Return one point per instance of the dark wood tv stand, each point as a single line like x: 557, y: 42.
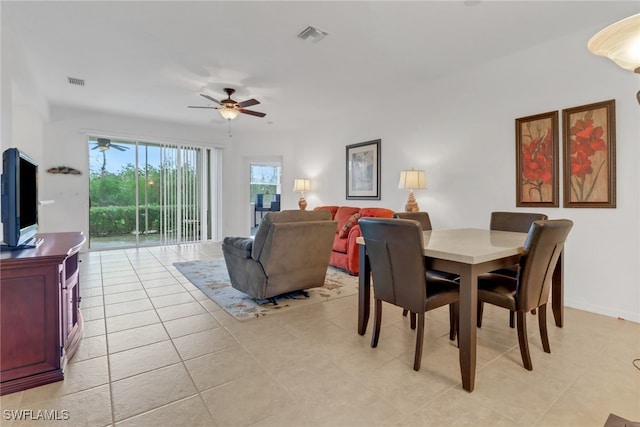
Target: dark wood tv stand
x: 40, y: 320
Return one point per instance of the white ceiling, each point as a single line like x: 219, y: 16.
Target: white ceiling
x: 154, y: 58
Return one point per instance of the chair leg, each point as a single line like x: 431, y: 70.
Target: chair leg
x: 522, y: 340
x: 480, y: 309
x: 542, y: 322
x: 412, y: 316
x: 404, y: 312
x: 377, y: 319
x: 453, y: 321
x: 419, y: 337
x: 512, y: 323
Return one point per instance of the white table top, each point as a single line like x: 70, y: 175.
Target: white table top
x: 471, y: 245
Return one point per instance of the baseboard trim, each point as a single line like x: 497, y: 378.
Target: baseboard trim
x: 605, y: 311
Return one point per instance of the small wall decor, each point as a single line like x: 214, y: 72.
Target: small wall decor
x: 64, y: 170
x: 537, y: 159
x: 363, y: 171
x: 589, y: 155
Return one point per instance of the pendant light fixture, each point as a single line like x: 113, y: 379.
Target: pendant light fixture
x: 620, y: 42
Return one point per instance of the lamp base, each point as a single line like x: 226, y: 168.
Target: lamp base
x: 412, y: 205
x: 302, y: 203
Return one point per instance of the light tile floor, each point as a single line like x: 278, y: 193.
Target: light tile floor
x: 157, y: 352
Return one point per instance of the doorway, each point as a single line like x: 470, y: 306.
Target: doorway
x: 265, y: 188
x: 143, y: 193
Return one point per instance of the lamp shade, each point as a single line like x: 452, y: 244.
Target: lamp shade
x: 228, y: 113
x: 619, y: 42
x: 301, y: 184
x: 412, y: 179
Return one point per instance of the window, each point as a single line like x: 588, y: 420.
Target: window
x: 265, y: 179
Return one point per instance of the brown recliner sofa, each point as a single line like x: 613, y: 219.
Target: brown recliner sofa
x: 290, y: 252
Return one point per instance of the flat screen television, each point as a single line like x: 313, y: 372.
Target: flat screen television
x: 19, y: 199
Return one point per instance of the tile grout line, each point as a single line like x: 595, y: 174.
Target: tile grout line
x: 106, y: 342
x: 182, y: 362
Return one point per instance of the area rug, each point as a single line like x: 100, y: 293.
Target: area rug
x: 212, y: 278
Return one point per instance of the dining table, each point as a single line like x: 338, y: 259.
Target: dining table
x: 467, y: 252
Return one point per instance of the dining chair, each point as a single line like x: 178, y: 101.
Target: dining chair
x: 425, y: 221
x: 519, y: 222
x: 395, y: 250
x: 421, y: 217
x: 275, y: 204
x: 530, y: 288
x: 259, y: 207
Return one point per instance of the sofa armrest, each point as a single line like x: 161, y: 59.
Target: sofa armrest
x: 353, y: 250
x: 354, y: 233
x: 238, y: 246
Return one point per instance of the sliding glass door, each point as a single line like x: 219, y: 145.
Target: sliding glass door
x: 144, y: 193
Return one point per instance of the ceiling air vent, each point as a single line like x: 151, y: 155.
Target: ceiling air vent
x: 312, y: 33
x: 74, y: 81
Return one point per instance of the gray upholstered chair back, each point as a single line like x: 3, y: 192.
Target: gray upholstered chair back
x: 395, y: 249
x: 290, y: 252
x: 421, y: 217
x: 284, y: 216
x: 541, y: 251
x: 514, y: 221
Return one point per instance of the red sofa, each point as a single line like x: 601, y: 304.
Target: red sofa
x: 345, y: 251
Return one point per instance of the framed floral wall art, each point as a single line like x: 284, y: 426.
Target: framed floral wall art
x: 589, y: 155
x: 537, y: 160
x: 363, y: 170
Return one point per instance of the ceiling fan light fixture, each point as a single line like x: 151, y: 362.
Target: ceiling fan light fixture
x: 228, y: 113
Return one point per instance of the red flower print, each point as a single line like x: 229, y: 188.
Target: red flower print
x: 537, y: 160
x: 585, y: 141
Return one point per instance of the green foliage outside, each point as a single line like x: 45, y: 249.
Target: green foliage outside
x: 113, y: 200
x: 120, y: 189
x: 120, y: 220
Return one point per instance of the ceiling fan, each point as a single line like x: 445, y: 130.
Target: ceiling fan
x: 103, y: 144
x: 229, y: 109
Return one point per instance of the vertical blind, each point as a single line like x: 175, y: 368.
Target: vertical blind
x: 185, y: 204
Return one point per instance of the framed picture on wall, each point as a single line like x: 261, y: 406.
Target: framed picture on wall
x: 363, y: 171
x: 537, y: 159
x: 589, y: 140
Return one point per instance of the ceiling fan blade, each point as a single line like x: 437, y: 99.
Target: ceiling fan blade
x: 195, y: 106
x: 117, y: 147
x: 248, y: 103
x: 252, y: 113
x: 95, y: 147
x: 210, y: 98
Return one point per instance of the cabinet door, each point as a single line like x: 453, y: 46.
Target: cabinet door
x: 71, y: 322
x: 29, y: 321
